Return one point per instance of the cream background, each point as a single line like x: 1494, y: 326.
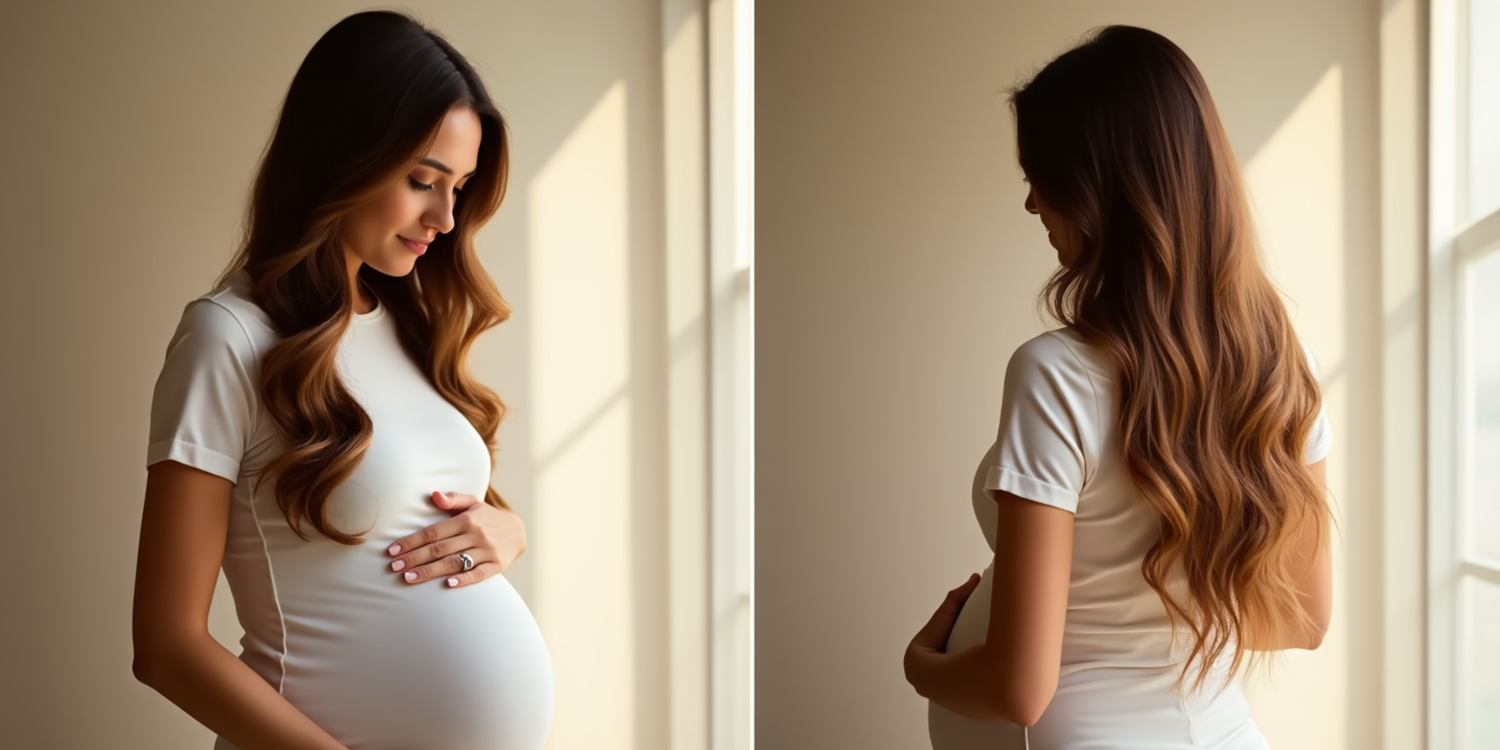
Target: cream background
x: 133, y: 131
x: 897, y: 271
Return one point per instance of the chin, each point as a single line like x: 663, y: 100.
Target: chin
x: 397, y: 269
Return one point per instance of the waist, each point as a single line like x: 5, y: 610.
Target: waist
x: 1140, y: 707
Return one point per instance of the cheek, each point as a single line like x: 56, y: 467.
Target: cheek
x: 382, y: 217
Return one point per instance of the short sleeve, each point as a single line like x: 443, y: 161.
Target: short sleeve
x: 1320, y: 438
x: 1047, y: 404
x: 202, y: 407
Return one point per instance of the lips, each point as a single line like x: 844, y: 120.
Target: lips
x: 415, y: 246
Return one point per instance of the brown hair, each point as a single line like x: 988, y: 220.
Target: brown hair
x: 365, y: 104
x: 1217, y: 399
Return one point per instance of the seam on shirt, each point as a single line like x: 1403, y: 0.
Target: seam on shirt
x: 213, y: 298
x: 275, y: 592
x: 1192, y: 725
x: 1090, y: 466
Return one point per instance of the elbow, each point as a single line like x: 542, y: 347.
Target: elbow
x: 144, y: 669
x: 150, y: 663
x: 1318, y: 629
x: 1028, y: 717
x: 145, y: 659
x: 1028, y: 713
x: 1020, y: 711
x: 1316, y: 635
x: 1023, y: 704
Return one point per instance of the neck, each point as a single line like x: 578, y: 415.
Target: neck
x: 364, y: 301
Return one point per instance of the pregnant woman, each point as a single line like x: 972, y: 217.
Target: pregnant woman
x: 1155, y: 498
x: 316, y: 432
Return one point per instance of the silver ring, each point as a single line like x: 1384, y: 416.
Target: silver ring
x: 468, y: 561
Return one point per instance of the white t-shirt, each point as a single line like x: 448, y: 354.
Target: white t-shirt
x: 1059, y: 444
x: 378, y: 663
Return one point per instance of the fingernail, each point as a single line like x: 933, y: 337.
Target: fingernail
x: 397, y: 565
x: 395, y: 549
x: 452, y: 582
x: 411, y: 575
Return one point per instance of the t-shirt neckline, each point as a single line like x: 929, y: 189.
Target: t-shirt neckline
x: 372, y: 315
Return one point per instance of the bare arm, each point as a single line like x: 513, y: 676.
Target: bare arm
x: 1314, y: 565
x: 183, y: 527
x: 1013, y: 675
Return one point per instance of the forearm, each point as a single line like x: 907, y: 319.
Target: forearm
x: 218, y: 690
x: 969, y: 683
x: 1312, y: 568
x: 1013, y: 675
x: 1292, y: 636
x: 1315, y: 597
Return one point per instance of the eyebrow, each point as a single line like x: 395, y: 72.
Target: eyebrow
x: 441, y: 167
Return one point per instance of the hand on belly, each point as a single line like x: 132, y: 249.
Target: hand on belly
x: 492, y: 538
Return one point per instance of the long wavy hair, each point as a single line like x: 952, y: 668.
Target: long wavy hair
x: 364, y: 106
x: 1217, y: 399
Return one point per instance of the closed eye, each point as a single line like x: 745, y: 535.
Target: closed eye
x: 422, y: 186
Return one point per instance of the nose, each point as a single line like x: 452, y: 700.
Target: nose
x: 440, y: 216
x: 1031, y: 202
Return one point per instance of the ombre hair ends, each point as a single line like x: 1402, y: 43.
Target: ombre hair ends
x: 1216, y: 396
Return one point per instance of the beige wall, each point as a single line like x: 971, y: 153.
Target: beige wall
x: 897, y: 271
x: 132, y: 132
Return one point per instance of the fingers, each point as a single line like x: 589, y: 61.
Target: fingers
x: 437, y: 559
x: 492, y: 537
x: 954, y: 602
x: 443, y: 529
x: 934, y: 635
x: 478, y: 573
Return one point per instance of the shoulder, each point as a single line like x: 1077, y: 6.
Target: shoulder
x: 226, y: 318
x: 1061, y: 357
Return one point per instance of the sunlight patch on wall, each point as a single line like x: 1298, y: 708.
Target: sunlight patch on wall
x: 581, y: 425
x: 684, y: 99
x: 1296, y: 183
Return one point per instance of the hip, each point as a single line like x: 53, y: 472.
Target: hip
x: 1114, y: 709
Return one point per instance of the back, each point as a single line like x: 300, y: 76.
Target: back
x: 1059, y: 444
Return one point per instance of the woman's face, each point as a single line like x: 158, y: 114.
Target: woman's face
x: 1063, y: 234
x: 394, y: 228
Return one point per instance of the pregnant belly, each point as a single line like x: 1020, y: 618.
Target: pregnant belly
x: 948, y: 730
x: 974, y: 619
x: 431, y: 669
